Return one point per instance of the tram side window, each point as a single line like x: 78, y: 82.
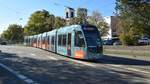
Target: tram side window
x: 59, y: 40
x: 52, y: 40
x: 47, y: 39
x: 79, y: 39
x: 35, y: 40
x: 69, y: 39
x: 42, y: 40
x: 38, y: 40
x: 64, y: 40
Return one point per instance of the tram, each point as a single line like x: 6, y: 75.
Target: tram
x: 75, y: 41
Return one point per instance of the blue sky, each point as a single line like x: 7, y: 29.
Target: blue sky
x: 18, y: 11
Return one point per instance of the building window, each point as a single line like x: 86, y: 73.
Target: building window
x: 67, y: 15
x: 72, y: 14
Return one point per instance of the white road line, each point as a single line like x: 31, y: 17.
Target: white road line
x: 116, y: 65
x: 20, y: 76
x: 53, y: 58
x: 84, y: 63
x: 32, y: 54
x: 77, y: 61
x: 131, y: 69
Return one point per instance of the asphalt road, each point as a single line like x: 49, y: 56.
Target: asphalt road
x: 45, y: 67
x: 8, y: 78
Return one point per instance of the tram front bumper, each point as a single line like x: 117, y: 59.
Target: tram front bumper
x: 92, y: 56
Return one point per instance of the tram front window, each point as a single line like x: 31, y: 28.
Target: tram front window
x: 92, y: 36
x: 79, y: 39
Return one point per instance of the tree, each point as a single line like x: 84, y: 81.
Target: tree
x: 59, y: 22
x: 39, y: 22
x: 98, y: 20
x: 81, y: 16
x: 74, y: 20
x: 134, y: 16
x: 14, y: 33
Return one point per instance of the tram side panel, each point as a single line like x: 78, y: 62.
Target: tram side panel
x: 70, y: 41
x: 52, y: 40
x: 40, y: 41
x: 35, y: 41
x: 62, y: 41
x: 45, y: 41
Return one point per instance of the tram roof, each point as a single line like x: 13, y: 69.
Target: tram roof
x: 68, y: 28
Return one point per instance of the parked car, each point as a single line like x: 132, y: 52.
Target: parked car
x: 107, y: 42
x: 114, y: 41
x: 117, y: 43
x: 3, y: 43
x: 144, y: 40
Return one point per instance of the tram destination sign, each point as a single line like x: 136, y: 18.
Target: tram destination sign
x: 89, y: 28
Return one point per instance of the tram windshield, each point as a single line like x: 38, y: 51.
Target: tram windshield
x: 92, y: 36
x: 79, y: 39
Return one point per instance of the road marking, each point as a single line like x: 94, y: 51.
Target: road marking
x: 84, y: 63
x: 131, y: 69
x: 32, y: 54
x: 20, y: 76
x: 29, y: 81
x: 116, y: 65
x: 53, y: 58
x: 77, y: 61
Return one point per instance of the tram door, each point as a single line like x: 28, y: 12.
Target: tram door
x: 69, y: 44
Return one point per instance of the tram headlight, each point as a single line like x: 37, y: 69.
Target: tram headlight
x: 79, y: 54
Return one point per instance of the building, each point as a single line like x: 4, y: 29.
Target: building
x: 112, y: 24
x: 70, y: 13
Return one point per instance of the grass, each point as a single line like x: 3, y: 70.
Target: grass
x: 127, y: 52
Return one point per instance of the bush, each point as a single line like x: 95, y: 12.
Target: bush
x: 128, y: 39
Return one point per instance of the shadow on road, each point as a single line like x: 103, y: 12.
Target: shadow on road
x: 63, y: 72
x: 122, y: 60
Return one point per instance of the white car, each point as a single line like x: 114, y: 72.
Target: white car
x: 145, y: 40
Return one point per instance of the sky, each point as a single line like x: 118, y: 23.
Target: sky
x: 19, y: 11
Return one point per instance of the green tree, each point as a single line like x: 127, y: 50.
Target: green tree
x: 39, y: 22
x: 59, y: 22
x: 74, y: 20
x: 14, y: 33
x: 134, y: 16
x: 81, y: 16
x: 98, y: 20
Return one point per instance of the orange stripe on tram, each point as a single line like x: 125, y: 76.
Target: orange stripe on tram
x: 79, y: 54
